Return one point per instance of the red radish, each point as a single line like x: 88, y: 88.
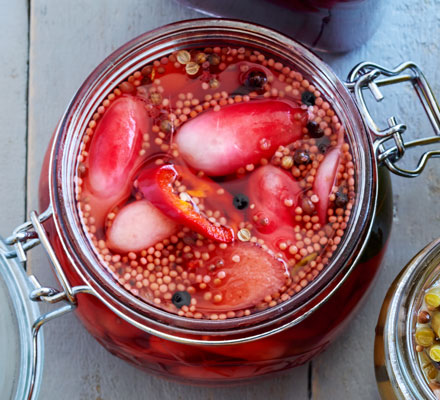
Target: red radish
x: 115, y: 147
x: 261, y: 350
x: 220, y: 142
x: 270, y: 189
x: 249, y: 275
x: 137, y: 226
x: 175, y: 351
x: 325, y: 180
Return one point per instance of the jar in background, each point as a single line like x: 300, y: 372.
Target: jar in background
x: 325, y: 25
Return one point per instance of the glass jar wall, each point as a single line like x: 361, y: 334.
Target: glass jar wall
x: 306, y: 323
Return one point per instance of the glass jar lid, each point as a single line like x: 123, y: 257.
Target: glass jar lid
x: 20, y: 366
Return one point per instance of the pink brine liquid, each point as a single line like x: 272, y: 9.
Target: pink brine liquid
x: 215, y: 183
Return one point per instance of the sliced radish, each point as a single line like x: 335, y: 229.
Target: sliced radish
x: 250, y: 274
x: 325, y: 180
x: 220, y: 142
x: 114, y: 151
x: 137, y: 226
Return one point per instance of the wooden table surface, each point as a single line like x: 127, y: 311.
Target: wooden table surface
x: 48, y: 47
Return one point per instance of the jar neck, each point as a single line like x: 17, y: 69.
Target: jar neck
x: 406, y: 297
x: 126, y: 61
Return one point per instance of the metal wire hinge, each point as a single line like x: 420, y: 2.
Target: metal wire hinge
x: 25, y: 237
x: 390, y: 145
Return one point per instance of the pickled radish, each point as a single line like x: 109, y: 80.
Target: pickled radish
x: 220, y: 142
x: 137, y: 226
x: 325, y: 180
x: 114, y: 151
x: 249, y: 275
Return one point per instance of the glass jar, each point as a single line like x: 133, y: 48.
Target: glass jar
x: 398, y: 371
x: 325, y: 25
x: 21, y: 366
x: 242, y: 348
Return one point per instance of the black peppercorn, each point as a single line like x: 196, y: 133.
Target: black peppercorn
x: 314, y: 130
x: 341, y: 199
x: 166, y: 126
x: 307, y: 206
x: 301, y: 157
x: 255, y: 80
x: 308, y: 98
x: 181, y: 298
x: 323, y: 144
x: 214, y: 59
x: 240, y: 201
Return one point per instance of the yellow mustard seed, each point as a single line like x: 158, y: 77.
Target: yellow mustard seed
x: 244, y: 235
x: 304, y: 261
x: 287, y: 162
x: 431, y: 371
x: 214, y: 83
x: 200, y: 58
x: 425, y: 336
x: 183, y: 57
x: 192, y: 68
x: 432, y: 297
x: 435, y: 322
x: 434, y: 353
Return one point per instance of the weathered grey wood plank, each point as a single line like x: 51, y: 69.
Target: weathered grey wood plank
x: 68, y: 39
x: 13, y: 112
x: 407, y: 33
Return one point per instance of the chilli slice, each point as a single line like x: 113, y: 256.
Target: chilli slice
x: 157, y: 186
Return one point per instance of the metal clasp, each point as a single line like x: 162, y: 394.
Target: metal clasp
x: 24, y: 238
x: 29, y: 235
x: 390, y: 145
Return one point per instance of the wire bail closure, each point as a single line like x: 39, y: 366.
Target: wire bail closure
x: 25, y: 237
x: 390, y: 145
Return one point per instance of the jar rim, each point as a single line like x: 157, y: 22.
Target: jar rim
x: 125, y: 61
